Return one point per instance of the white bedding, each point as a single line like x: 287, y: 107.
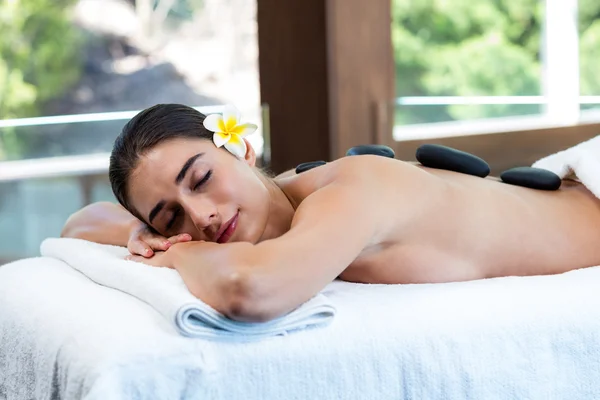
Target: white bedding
x: 505, y: 338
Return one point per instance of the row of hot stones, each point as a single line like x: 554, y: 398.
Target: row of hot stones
x: 442, y: 157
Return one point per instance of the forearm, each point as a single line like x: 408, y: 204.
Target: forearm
x: 285, y: 272
x: 275, y: 285
x: 102, y: 222
x: 223, y: 276
x: 239, y: 280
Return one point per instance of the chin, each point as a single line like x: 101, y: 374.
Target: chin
x: 252, y: 236
x: 265, y: 235
x: 253, y: 232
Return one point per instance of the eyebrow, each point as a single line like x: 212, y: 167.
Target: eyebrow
x: 156, y: 210
x: 160, y: 205
x: 186, y: 167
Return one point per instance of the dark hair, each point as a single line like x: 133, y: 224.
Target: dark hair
x: 148, y: 128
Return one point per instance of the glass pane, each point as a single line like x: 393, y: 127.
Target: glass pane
x: 34, y: 209
x: 74, y: 57
x: 466, y: 49
x: 589, y: 52
x: 31, y: 142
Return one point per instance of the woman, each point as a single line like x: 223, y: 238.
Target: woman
x: 255, y: 248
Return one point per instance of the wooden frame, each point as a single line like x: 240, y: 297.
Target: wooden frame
x: 325, y: 68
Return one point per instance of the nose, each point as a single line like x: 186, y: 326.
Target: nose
x: 204, y: 216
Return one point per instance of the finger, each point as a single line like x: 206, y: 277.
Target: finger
x: 151, y: 261
x: 138, y: 247
x: 183, y: 237
x: 134, y: 258
x: 158, y: 243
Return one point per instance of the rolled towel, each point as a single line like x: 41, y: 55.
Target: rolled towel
x: 582, y: 160
x: 164, y: 290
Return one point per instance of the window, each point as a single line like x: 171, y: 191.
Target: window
x: 589, y: 53
x: 493, y: 65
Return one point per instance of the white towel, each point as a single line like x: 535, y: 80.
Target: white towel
x: 165, y: 291
x: 582, y: 160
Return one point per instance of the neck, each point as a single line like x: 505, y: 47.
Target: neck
x: 281, y: 211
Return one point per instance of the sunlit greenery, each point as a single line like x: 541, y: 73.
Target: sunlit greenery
x: 39, y: 50
x: 479, y: 48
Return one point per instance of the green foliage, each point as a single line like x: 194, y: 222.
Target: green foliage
x: 589, y: 12
x: 589, y: 48
x: 38, y: 54
x: 39, y: 50
x: 483, y: 66
x: 473, y: 48
x: 589, y: 59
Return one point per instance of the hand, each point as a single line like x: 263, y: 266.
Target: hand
x: 159, y: 259
x: 205, y: 267
x: 144, y: 242
x: 166, y: 258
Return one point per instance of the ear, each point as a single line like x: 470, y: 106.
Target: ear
x: 250, y: 156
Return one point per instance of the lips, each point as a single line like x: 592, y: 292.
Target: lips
x: 227, y: 229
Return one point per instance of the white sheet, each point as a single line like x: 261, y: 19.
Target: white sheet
x: 504, y: 338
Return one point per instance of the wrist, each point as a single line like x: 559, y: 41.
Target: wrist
x: 176, y: 253
x: 134, y: 225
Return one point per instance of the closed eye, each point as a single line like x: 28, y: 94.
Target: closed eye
x: 203, y: 180
x: 173, y: 219
x: 177, y: 211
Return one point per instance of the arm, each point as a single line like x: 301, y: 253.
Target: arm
x: 260, y: 282
x: 102, y: 222
x: 330, y: 229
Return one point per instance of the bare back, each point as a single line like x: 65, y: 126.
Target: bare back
x: 441, y: 226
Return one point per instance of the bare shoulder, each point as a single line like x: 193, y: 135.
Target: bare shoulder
x: 361, y: 173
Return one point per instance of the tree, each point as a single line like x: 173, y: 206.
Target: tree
x: 38, y: 54
x: 38, y: 58
x: 589, y: 46
x: 486, y: 47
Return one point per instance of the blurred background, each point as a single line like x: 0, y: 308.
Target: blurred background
x: 72, y: 72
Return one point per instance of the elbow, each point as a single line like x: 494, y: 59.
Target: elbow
x: 70, y: 232
x: 71, y: 228
x: 76, y: 226
x: 242, y: 291
x: 244, y: 299
x: 73, y: 232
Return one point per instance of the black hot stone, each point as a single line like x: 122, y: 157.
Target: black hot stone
x: 442, y: 157
x: 308, y: 165
x: 374, y: 149
x: 534, y: 178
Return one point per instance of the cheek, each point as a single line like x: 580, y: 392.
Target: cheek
x: 229, y: 190
x: 242, y: 187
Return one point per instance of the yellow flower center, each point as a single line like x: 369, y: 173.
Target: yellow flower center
x: 229, y: 126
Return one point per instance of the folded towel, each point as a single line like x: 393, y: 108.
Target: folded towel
x: 165, y: 291
x: 582, y: 160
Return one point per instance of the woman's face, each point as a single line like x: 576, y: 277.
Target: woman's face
x: 191, y: 186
